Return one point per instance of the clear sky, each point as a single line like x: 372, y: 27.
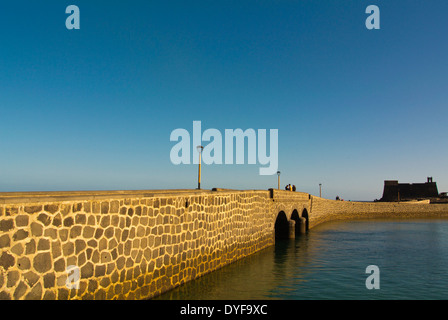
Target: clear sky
x: 93, y: 109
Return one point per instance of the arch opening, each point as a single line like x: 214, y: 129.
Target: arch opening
x: 299, y: 228
x: 305, y: 216
x: 281, y: 226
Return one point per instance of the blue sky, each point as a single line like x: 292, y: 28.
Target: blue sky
x: 93, y: 109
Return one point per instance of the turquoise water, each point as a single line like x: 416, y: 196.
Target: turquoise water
x: 330, y: 263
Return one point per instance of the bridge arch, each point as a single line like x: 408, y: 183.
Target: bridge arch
x: 295, y: 216
x: 301, y: 225
x: 306, y: 217
x: 281, y: 226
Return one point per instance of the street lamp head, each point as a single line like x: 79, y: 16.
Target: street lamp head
x: 200, y: 148
x: 278, y: 173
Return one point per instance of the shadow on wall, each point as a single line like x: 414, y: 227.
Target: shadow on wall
x: 281, y: 226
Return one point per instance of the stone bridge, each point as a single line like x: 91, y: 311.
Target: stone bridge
x: 139, y: 244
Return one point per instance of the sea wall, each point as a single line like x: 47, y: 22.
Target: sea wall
x: 125, y: 246
x: 323, y: 210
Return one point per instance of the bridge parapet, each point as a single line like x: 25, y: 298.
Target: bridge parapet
x: 284, y: 195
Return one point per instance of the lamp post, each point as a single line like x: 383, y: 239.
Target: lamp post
x: 199, y: 148
x: 278, y: 174
x: 320, y: 190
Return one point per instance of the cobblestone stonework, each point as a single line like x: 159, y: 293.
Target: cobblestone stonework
x: 129, y: 248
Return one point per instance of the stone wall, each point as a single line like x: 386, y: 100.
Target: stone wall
x: 132, y: 246
x: 324, y: 210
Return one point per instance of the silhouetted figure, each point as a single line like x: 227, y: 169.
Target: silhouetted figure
x: 337, y: 198
x: 293, y: 187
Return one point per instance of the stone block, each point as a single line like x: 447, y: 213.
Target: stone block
x: 42, y: 262
x: 91, y: 220
x: 17, y: 249
x: 44, y: 218
x: 100, y: 294
x: 96, y: 207
x: 87, y: 270
x: 87, y: 207
x: 63, y: 293
x: 88, y: 232
x: 114, y: 206
x: 4, y: 241
x: 120, y: 263
x: 51, y: 233
x: 49, y: 280
x: 80, y: 218
x: 6, y: 225
x: 112, y: 244
x: 32, y: 209
x: 75, y: 232
x: 114, y: 254
x: 92, y: 243
x: 105, y: 221
x: 100, y: 270
x: 80, y: 245
x: 63, y: 234
x: 104, y: 207
x: 20, y: 235
x: 20, y: 290
x: 57, y: 220
x: 77, y: 207
x: 59, y: 265
x: 30, y: 247
x: 35, y: 293
x: 102, y: 244
x: 68, y: 222
x: 49, y: 295
x: 31, y: 278
x: 43, y: 244
x: 51, y: 208
x: 98, y: 233
x: 115, y: 220
x: 95, y: 256
x: 65, y: 209
x: 12, y: 278
x: 22, y: 220
x: 68, y: 249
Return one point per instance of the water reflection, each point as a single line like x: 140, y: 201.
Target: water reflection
x: 262, y: 275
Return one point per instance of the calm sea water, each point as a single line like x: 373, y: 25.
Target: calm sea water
x: 330, y: 263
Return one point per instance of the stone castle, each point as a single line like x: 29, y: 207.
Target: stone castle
x: 394, y: 191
